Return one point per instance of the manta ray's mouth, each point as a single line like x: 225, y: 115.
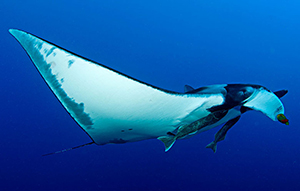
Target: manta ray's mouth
x: 281, y: 118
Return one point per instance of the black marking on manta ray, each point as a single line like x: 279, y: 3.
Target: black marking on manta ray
x: 231, y: 100
x: 104, y: 66
x: 39, y: 46
x: 70, y: 63
x: 50, y: 51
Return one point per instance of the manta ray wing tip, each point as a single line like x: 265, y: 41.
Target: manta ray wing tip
x: 13, y: 31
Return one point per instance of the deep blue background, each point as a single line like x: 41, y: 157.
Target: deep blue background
x: 168, y: 43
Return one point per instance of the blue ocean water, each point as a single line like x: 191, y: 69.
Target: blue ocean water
x: 167, y: 44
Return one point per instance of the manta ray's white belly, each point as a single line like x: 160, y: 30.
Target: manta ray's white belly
x: 109, y: 106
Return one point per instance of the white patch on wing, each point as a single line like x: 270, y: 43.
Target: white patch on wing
x: 111, y: 107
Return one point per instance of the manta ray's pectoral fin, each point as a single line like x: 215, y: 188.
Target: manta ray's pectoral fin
x: 168, y: 141
x: 221, y: 134
x: 102, y: 100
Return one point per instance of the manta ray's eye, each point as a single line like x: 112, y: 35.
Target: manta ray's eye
x: 245, y: 92
x: 242, y: 94
x: 238, y: 93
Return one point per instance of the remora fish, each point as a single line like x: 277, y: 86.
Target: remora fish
x: 112, y: 107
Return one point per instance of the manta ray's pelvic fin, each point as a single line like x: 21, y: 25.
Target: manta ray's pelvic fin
x: 168, y: 141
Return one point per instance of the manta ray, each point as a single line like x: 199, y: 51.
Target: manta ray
x: 114, y: 108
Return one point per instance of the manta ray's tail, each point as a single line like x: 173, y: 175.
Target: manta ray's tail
x: 69, y: 149
x: 168, y: 141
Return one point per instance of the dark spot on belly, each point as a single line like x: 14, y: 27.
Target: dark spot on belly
x: 122, y: 130
x: 130, y: 129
